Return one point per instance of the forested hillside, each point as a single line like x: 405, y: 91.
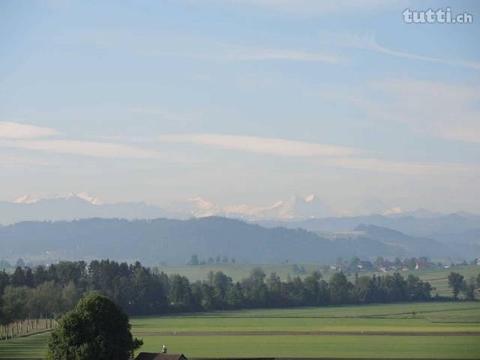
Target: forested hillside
x: 175, y: 241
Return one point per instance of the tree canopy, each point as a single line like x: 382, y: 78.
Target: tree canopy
x: 455, y: 281
x: 95, y: 329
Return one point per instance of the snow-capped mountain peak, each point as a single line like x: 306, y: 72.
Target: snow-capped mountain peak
x: 26, y: 199
x: 32, y: 199
x: 292, y: 208
x: 200, y: 207
x: 418, y: 213
x: 86, y: 197
x: 393, y: 211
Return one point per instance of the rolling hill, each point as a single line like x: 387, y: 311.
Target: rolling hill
x: 174, y: 241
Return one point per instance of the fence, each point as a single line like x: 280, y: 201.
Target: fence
x: 26, y: 327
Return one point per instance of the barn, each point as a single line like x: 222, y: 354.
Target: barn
x: 160, y: 356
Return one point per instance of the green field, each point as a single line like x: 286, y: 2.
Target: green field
x: 439, y: 278
x: 30, y: 347
x: 421, y: 330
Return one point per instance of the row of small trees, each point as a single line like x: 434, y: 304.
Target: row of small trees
x: 46, y: 292
x: 25, y: 327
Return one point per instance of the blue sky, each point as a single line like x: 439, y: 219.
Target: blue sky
x: 241, y: 102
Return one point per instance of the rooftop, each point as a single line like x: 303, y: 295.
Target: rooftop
x: 159, y: 356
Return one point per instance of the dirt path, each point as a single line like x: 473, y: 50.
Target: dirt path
x: 311, y: 333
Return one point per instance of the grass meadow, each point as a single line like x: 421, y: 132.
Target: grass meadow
x: 420, y: 330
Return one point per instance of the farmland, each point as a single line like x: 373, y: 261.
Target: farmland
x: 420, y: 330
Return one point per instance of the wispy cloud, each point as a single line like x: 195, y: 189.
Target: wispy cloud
x: 315, y: 7
x: 323, y: 155
x: 200, y: 48
x: 400, y: 167
x: 371, y: 44
x: 261, y: 145
x: 14, y: 161
x: 442, y: 110
x: 30, y: 137
x: 14, y: 130
x: 84, y: 148
x: 255, y: 54
x: 231, y: 53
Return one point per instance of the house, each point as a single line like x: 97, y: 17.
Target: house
x: 159, y: 356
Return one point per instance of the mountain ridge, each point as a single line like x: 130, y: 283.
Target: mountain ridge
x: 174, y: 241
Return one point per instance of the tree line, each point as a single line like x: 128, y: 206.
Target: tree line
x: 45, y: 292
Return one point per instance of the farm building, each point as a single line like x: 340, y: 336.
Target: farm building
x: 159, y: 356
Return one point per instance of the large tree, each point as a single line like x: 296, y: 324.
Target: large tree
x: 95, y: 329
x: 455, y: 281
x: 340, y: 289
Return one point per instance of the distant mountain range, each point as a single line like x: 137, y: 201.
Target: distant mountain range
x: 305, y: 211
x: 447, y: 228
x: 459, y: 231
x: 174, y: 241
x: 82, y: 226
x: 83, y: 205
x: 74, y: 206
